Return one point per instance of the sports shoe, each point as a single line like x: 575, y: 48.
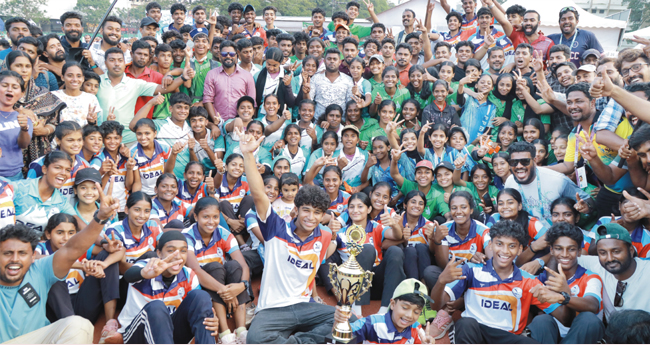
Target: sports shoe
x: 241, y: 339
x: 250, y: 313
x: 441, y: 324
x: 229, y: 339
x: 244, y: 247
x: 110, y: 334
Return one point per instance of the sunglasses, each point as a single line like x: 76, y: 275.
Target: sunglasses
x: 620, y: 289
x: 568, y: 9
x: 232, y: 54
x: 524, y: 161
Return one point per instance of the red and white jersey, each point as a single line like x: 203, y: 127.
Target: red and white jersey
x: 290, y: 263
x: 501, y: 304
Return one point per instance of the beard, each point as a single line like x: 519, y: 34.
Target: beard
x: 15, y: 42
x: 109, y: 41
x: 532, y: 31
x: 58, y: 56
x: 73, y: 35
x: 529, y: 179
x: 623, y: 266
x: 228, y: 62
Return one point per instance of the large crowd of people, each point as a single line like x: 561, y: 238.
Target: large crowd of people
x: 501, y: 177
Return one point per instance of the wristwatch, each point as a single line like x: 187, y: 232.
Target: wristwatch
x: 99, y: 221
x: 183, y: 77
x: 247, y: 284
x: 566, y: 296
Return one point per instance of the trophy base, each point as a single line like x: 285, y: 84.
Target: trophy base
x: 330, y: 339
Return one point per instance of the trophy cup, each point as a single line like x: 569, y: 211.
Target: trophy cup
x: 350, y: 281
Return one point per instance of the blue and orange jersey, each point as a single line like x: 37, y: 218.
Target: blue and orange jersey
x: 150, y: 168
x: 470, y: 24
x: 290, y: 263
x: 453, y: 40
x: 179, y: 211
x: 536, y: 229
x: 340, y: 204
x: 144, y: 291
x: 188, y: 198
x: 234, y: 195
x: 221, y: 243
x: 380, y: 329
x: 494, y: 302
x: 417, y: 232
x: 36, y: 171
x: 640, y: 237
x: 583, y: 283
x: 475, y: 241
x: 374, y: 236
x: 119, y: 186
x: 75, y: 276
x: 135, y: 247
x: 7, y: 207
x: 501, y: 40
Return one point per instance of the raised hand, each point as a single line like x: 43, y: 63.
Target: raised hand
x: 131, y: 163
x: 397, y: 154
x: 156, y: 266
x: 645, y: 42
x: 460, y: 161
x: 601, y: 86
x: 247, y: 143
x: 425, y: 336
x: 335, y: 226
x: 209, y: 182
x: 586, y: 147
x: 556, y: 281
x: 389, y: 34
x: 440, y: 232
x: 213, y: 18
x: 581, y: 205
x: 287, y: 79
x: 637, y: 208
x: 372, y: 160
x: 219, y: 165
x: 385, y: 218
x: 378, y: 99
x: 178, y: 147
x: 108, y: 206
x: 91, y: 117
x: 406, y: 230
x: 429, y: 229
x: 342, y: 161
x: 452, y: 271
x: 489, y: 39
x: 157, y: 99
x: 111, y: 114
x: 370, y: 6
x: 107, y: 166
x: 287, y: 114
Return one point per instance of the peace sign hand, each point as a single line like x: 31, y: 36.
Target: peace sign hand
x: 370, y: 5
x: 425, y: 336
x: 213, y: 18
x: 556, y: 281
x: 108, y: 206
x: 112, y: 244
x: 111, y: 114
x: 92, y: 114
x: 586, y: 147
x: 156, y: 266
x: 452, y: 271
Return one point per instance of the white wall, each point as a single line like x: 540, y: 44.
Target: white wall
x: 393, y: 18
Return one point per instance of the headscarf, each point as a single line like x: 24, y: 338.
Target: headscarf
x: 510, y: 97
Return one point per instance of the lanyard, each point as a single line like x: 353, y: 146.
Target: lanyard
x: 572, y: 41
x: 539, y: 194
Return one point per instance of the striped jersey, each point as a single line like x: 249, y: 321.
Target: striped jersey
x: 222, y: 242
x: 36, y: 171
x: 493, y: 302
x: 7, y: 207
x: 417, y: 231
x: 151, y: 168
x: 144, y: 291
x: 536, y: 229
x: 582, y: 284
x: 374, y: 236
x: 234, y: 195
x: 136, y: 247
x: 640, y: 236
x: 340, y: 204
x: 119, y: 184
x: 380, y: 329
x: 476, y: 240
x: 188, y: 198
x: 75, y: 276
x: 179, y: 211
x: 290, y: 264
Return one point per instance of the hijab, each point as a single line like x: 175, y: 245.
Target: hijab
x: 508, y: 98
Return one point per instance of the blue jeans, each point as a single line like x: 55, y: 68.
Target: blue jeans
x: 19, y: 176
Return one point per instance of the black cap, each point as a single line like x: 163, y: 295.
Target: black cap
x: 444, y: 164
x: 249, y: 8
x: 244, y: 99
x: 87, y: 174
x: 146, y: 21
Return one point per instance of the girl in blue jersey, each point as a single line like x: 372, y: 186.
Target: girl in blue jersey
x: 328, y: 149
x: 153, y: 157
x: 501, y: 169
x: 233, y: 193
x: 165, y: 204
x: 563, y: 210
x: 437, y: 133
x: 196, y: 184
x: 417, y: 232
x: 408, y: 142
x: 332, y: 180
x: 378, y: 167
x: 208, y: 244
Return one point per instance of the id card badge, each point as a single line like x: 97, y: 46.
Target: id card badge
x: 581, y: 177
x: 29, y: 294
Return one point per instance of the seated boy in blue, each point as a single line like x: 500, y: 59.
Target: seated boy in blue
x: 400, y: 324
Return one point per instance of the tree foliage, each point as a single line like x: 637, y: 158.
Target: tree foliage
x: 29, y: 9
x: 639, y: 13
x: 93, y: 10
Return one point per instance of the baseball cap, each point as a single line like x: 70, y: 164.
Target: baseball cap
x: 377, y: 57
x: 589, y: 52
x: 341, y: 26
x: 586, y: 68
x: 412, y: 286
x: 424, y: 164
x: 249, y: 8
x: 352, y: 127
x: 87, y: 174
x: 444, y: 164
x: 146, y: 21
x: 613, y: 231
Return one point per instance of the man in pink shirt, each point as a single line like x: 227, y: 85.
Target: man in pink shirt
x: 226, y: 84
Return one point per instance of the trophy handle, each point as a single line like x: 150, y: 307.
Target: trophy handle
x: 335, y: 283
x: 367, y: 283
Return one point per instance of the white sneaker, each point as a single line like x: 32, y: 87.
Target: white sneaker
x: 250, y: 313
x: 241, y: 339
x: 229, y: 339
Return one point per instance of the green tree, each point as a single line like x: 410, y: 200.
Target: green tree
x: 29, y: 9
x: 639, y: 13
x: 93, y: 11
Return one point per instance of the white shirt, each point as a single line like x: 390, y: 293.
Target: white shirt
x: 77, y: 106
x: 99, y: 56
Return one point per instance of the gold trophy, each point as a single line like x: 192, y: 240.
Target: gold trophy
x: 350, y: 281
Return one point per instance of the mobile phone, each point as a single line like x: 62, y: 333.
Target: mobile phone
x: 487, y: 200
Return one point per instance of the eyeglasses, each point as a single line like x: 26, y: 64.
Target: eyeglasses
x: 524, y: 161
x: 620, y: 289
x: 232, y: 54
x: 635, y: 68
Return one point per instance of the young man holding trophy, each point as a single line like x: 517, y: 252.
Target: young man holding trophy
x: 293, y: 253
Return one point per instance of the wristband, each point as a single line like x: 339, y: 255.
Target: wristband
x: 532, y: 250
x: 183, y: 78
x: 541, y: 262
x: 94, y: 66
